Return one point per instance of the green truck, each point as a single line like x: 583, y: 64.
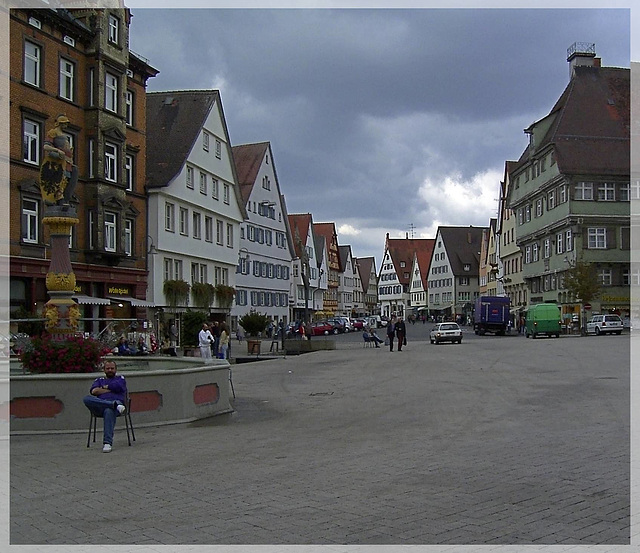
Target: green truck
x: 543, y: 318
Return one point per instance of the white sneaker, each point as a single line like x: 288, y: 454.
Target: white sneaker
x: 121, y: 408
x: 106, y: 448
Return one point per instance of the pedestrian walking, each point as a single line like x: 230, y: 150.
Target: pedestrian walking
x: 401, y: 333
x: 391, y: 331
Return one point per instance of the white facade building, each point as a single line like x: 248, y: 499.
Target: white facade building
x: 264, y: 272
x: 194, y: 206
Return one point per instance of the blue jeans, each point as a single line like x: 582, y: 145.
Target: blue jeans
x: 105, y: 408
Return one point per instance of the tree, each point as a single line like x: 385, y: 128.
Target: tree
x: 582, y: 282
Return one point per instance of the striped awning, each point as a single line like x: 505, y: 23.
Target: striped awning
x: 90, y: 300
x: 135, y: 302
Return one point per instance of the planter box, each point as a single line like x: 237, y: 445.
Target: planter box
x: 163, y: 390
x: 305, y: 346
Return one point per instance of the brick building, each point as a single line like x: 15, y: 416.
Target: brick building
x: 77, y: 62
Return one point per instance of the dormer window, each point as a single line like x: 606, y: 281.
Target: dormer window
x: 466, y: 267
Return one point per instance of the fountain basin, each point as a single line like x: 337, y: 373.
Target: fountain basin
x: 163, y: 390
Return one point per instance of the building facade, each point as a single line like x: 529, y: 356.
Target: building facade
x: 570, y: 189
x: 195, y: 205
x: 76, y: 62
x: 263, y: 279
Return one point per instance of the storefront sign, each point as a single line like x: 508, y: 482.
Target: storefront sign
x: 118, y: 290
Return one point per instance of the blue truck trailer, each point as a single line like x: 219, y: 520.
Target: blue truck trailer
x: 491, y: 315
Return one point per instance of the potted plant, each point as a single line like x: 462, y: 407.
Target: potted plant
x: 254, y: 324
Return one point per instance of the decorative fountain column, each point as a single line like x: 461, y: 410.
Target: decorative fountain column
x: 58, y: 179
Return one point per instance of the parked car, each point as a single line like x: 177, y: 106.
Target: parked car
x: 445, y: 332
x: 603, y: 324
x: 323, y: 328
x: 357, y: 324
x: 348, y: 327
x: 338, y: 324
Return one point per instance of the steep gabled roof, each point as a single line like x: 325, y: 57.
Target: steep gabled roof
x: 344, y: 252
x: 402, y: 250
x: 320, y: 243
x: 248, y: 160
x: 365, y: 264
x: 299, y: 223
x: 328, y: 231
x: 463, y: 245
x: 590, y: 123
x: 174, y: 122
x: 423, y: 256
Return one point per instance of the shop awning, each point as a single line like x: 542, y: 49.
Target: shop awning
x: 135, y: 302
x: 90, y: 300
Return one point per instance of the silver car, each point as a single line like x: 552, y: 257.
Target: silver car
x: 445, y: 332
x: 605, y: 324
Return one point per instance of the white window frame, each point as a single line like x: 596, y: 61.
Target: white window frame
x: 168, y: 268
x: 214, y: 188
x: 190, y: 177
x: 584, y: 191
x: 559, y: 243
x: 67, y: 79
x: 128, y: 237
x: 183, y: 221
x: 30, y: 216
x: 114, y: 29
x: 605, y: 276
x: 32, y: 63
x: 227, y: 193
x: 547, y: 248
x: 205, y: 141
x: 208, y: 229
x: 110, y: 231
x: 606, y: 192
x: 203, y: 183
x: 539, y: 207
x: 218, y: 149
x: 219, y: 232
x: 91, y: 147
x: 551, y: 199
x: 197, y: 225
x: 31, y: 141
x: 177, y: 269
x: 111, y: 161
x: 111, y: 85
x: 625, y: 192
x: 597, y: 238
x: 169, y: 217
x: 128, y: 102
x: 129, y: 165
x: 568, y: 245
x: 229, y: 235
x: 527, y: 254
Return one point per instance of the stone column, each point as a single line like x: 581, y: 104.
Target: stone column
x: 61, y: 311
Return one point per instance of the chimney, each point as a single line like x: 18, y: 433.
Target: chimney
x: 582, y: 54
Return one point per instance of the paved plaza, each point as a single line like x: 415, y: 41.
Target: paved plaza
x: 499, y: 440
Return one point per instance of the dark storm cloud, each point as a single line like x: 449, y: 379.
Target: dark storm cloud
x: 369, y: 111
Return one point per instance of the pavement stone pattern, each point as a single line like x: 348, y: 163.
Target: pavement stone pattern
x: 497, y: 441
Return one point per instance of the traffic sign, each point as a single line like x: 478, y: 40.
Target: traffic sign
x: 587, y: 306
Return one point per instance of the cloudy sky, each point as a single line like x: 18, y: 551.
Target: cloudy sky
x: 380, y: 120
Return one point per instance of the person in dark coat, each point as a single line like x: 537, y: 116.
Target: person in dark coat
x: 391, y: 332
x: 401, y: 332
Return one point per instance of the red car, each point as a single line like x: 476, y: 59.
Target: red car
x: 322, y: 328
x: 357, y: 324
